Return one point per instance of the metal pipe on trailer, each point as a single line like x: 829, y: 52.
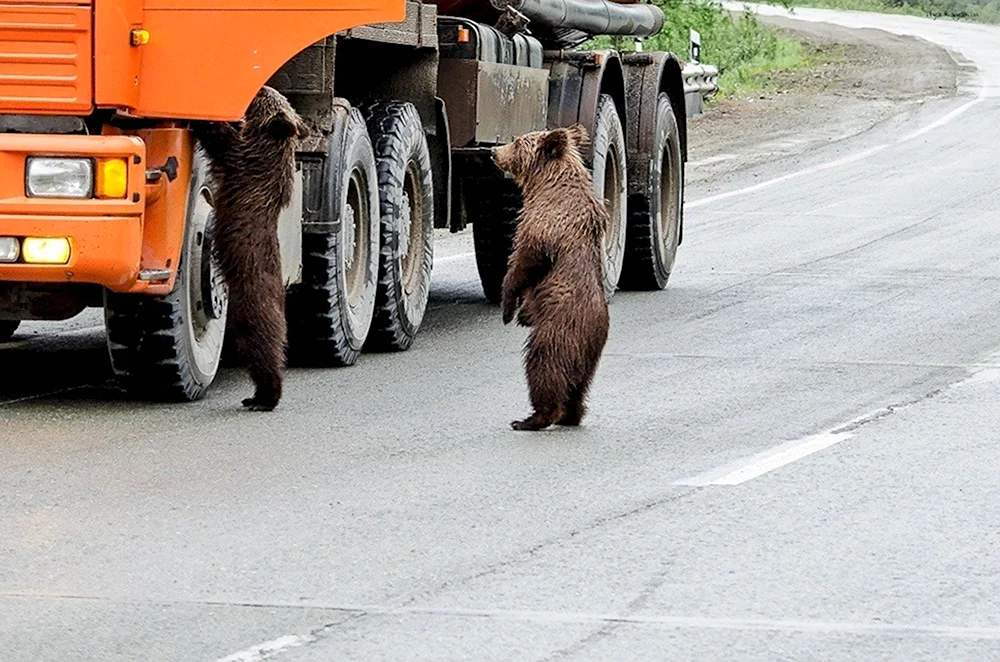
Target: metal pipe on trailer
x: 592, y: 17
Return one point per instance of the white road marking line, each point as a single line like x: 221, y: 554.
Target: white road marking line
x: 986, y: 375
x: 275, y: 647
x: 755, y: 466
x: 937, y: 124
x: 829, y: 627
x: 784, y: 178
x: 718, y: 158
x: 741, y: 471
x: 453, y: 258
x: 268, y: 649
x: 986, y: 371
x: 980, y: 97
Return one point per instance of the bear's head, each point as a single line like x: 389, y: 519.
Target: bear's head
x: 534, y: 153
x: 270, y: 116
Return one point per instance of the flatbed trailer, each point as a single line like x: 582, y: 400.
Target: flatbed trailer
x: 105, y: 200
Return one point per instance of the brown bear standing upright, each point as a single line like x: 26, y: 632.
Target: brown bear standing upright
x: 554, y: 276
x: 252, y: 167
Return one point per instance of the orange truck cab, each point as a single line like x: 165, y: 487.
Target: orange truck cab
x: 105, y: 200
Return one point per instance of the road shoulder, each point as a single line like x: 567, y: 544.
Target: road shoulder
x: 855, y: 80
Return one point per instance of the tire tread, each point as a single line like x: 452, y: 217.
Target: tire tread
x: 495, y: 205
x: 318, y: 334
x: 609, y: 136
x: 146, y: 346
x: 395, y: 126
x: 643, y: 270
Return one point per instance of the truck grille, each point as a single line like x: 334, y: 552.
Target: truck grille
x: 45, y: 58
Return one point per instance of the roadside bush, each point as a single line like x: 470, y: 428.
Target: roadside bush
x: 743, y: 48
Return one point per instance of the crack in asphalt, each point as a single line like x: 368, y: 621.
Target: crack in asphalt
x: 530, y: 552
x: 652, y: 586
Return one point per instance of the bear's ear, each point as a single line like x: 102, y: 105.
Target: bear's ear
x: 280, y: 127
x: 283, y: 127
x: 578, y: 135
x: 554, y: 144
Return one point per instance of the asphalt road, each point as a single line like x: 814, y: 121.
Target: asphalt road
x: 790, y: 455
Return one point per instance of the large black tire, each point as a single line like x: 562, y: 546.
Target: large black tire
x: 167, y: 348
x: 330, y: 312
x: 7, y: 329
x: 654, y: 217
x: 406, y: 202
x: 611, y: 185
x: 494, y: 204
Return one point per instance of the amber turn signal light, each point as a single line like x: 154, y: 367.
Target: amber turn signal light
x: 112, y: 179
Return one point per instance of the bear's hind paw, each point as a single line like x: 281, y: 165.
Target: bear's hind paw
x: 530, y: 424
x: 260, y: 404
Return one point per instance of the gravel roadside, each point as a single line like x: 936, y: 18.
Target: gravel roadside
x: 855, y: 79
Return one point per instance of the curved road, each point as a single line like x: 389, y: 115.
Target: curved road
x: 791, y: 452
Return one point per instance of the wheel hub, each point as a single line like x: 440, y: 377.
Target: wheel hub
x: 406, y: 225
x: 668, y: 203
x: 350, y: 237
x: 214, y: 292
x: 411, y: 233
x: 614, y: 240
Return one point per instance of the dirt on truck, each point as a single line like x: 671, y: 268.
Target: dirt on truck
x: 105, y: 200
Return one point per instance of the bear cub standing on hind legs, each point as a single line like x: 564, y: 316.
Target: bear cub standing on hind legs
x: 252, y: 168
x: 554, y: 276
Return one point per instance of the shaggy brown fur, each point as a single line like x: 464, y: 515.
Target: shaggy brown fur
x: 554, y: 278
x: 252, y: 168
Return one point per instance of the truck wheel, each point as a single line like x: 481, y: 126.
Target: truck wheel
x: 7, y: 329
x: 330, y: 312
x: 610, y: 185
x: 167, y: 348
x: 493, y: 203
x: 406, y: 205
x: 654, y: 218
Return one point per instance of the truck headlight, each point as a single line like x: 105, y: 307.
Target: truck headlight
x: 47, y: 177
x: 10, y: 249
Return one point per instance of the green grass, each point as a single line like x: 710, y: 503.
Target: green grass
x: 749, y: 74
x: 743, y: 48
x: 979, y: 11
